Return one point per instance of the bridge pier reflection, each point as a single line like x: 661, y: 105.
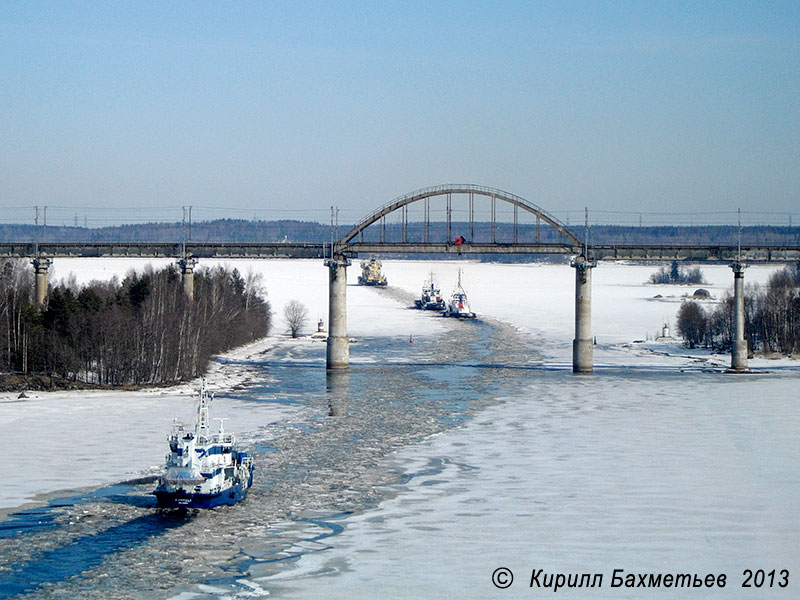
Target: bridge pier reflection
x: 338, y: 352
x: 582, y: 345
x: 337, y: 384
x: 738, y: 344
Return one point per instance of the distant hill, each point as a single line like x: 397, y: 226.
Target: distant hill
x: 240, y: 230
x: 220, y: 230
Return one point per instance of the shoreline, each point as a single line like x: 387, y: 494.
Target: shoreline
x: 219, y: 371
x: 228, y: 371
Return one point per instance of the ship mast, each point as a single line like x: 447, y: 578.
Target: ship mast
x: 201, y: 429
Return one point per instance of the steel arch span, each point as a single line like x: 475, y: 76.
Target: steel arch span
x: 443, y: 190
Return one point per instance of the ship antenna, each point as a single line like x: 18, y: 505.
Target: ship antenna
x: 333, y: 238
x: 221, y: 422
x: 739, y: 248
x: 586, y: 232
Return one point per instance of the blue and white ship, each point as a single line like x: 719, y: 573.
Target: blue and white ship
x: 204, y: 469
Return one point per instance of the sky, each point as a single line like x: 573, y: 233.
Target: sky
x: 129, y: 111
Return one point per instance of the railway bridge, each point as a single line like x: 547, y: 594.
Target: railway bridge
x: 469, y: 220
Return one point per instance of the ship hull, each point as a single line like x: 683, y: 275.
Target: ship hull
x: 422, y: 305
x: 457, y: 315
x: 184, y: 499
x: 362, y: 281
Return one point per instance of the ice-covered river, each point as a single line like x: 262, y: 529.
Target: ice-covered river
x: 430, y: 464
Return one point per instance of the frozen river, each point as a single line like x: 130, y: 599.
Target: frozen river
x: 429, y: 465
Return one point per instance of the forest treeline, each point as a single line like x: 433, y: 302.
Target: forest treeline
x: 141, y: 330
x: 772, y: 317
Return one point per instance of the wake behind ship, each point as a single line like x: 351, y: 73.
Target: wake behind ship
x: 204, y: 469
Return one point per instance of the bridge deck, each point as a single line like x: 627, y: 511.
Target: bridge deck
x: 162, y: 250
x: 632, y: 252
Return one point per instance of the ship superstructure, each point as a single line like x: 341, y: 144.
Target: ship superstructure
x: 371, y: 273
x: 431, y: 297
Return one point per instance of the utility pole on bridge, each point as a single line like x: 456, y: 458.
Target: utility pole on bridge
x: 583, y: 344
x: 738, y: 344
x: 187, y: 263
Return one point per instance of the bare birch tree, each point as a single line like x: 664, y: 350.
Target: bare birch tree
x: 296, y: 315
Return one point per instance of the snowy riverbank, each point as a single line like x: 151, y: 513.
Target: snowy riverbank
x: 79, y: 438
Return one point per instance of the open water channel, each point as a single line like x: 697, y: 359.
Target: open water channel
x: 431, y: 464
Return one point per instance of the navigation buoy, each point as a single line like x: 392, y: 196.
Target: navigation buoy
x: 411, y: 339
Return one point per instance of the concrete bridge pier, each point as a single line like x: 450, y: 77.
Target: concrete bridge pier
x: 738, y: 344
x: 338, y: 354
x: 187, y: 276
x: 40, y: 265
x: 582, y: 345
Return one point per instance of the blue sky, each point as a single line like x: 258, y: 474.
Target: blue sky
x: 126, y: 109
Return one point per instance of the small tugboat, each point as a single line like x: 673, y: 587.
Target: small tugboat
x: 371, y: 273
x: 458, y: 306
x: 431, y: 298
x: 204, y: 469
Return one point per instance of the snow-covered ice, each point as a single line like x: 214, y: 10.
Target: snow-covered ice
x: 652, y: 464
x: 59, y: 436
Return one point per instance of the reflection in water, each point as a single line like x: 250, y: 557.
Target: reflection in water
x: 338, y: 388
